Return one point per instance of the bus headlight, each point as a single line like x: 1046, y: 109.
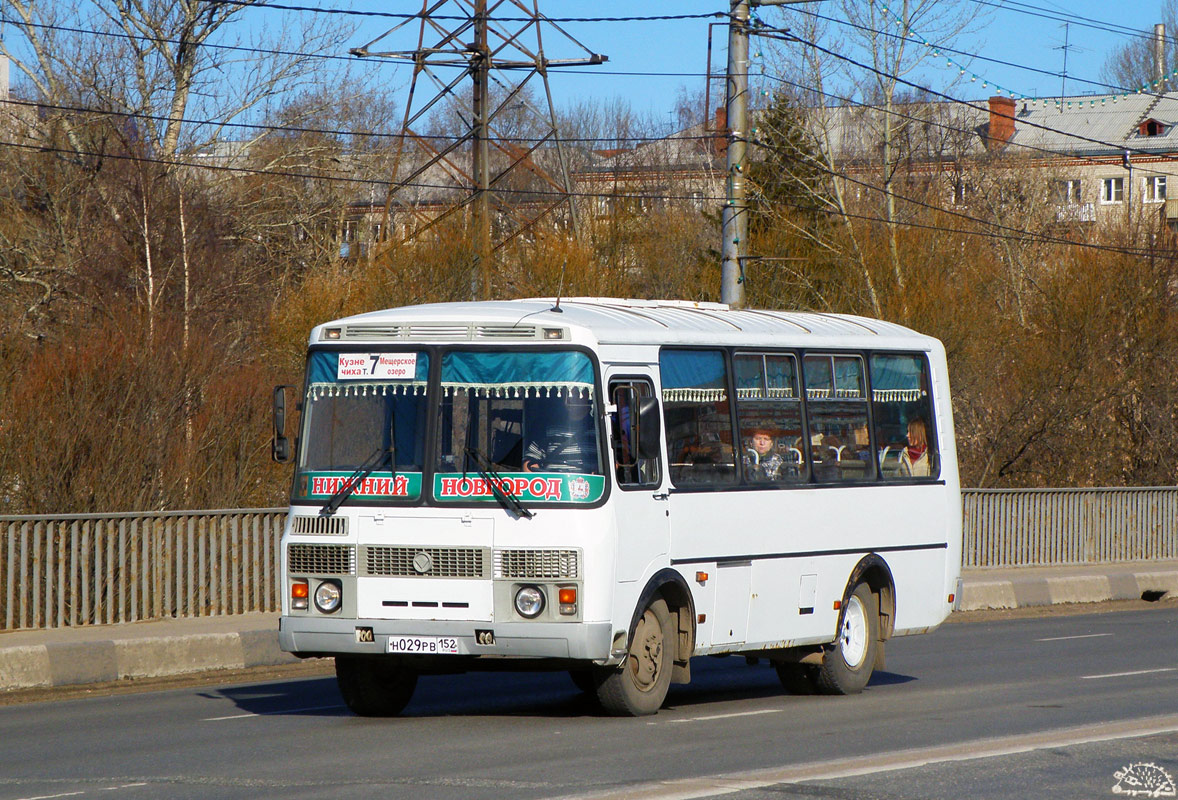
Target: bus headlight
x: 328, y: 597
x: 529, y: 601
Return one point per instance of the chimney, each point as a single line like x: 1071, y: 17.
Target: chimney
x: 1001, y: 127
x: 1159, y: 54
x: 3, y: 79
x: 720, y: 132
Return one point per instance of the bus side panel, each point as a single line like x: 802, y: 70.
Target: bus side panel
x: 779, y: 560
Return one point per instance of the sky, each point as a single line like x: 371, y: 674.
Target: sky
x: 650, y: 62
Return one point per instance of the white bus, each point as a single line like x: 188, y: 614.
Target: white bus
x: 611, y: 487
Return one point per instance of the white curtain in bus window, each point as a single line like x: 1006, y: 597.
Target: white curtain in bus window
x: 697, y: 418
x: 358, y: 406
x: 769, y: 411
x: 836, y: 406
x: 901, y: 408
x: 521, y: 412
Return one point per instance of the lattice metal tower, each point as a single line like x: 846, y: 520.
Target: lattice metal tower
x: 499, y: 45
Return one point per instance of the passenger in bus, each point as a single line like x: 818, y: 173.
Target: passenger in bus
x: 914, y: 460
x: 762, y: 462
x: 568, y: 442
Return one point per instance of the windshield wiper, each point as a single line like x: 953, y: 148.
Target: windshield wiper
x: 487, y: 472
x: 353, y: 482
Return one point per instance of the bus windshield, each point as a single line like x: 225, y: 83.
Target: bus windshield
x: 532, y: 416
x: 363, y: 412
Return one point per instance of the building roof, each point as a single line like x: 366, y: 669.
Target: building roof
x: 1098, y: 124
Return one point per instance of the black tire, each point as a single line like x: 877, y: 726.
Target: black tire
x: 639, y: 685
x: 849, y: 662
x: 797, y: 678
x: 374, y: 687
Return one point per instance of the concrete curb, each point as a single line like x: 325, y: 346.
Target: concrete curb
x: 984, y: 589
x: 73, y: 663
x: 78, y: 656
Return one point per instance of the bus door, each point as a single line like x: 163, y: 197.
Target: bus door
x: 640, y: 502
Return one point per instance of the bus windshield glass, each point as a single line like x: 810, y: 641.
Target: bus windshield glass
x: 364, y: 414
x: 532, y: 416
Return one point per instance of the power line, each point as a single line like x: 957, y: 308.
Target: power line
x: 1118, y: 147
x: 1021, y: 235
x: 943, y: 48
x: 453, y: 17
x: 341, y: 131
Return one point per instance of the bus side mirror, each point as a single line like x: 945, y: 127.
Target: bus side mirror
x: 280, y: 445
x: 648, y: 427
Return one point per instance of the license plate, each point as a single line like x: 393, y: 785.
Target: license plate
x: 423, y: 644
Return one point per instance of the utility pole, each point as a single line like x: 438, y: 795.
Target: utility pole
x: 480, y: 281
x: 734, y: 219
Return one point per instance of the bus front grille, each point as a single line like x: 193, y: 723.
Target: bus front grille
x: 426, y: 562
x: 321, y: 559
x: 537, y: 564
x: 319, y: 525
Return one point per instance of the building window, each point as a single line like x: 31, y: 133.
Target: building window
x: 1151, y: 127
x: 1155, y: 189
x: 1066, y: 192
x: 1112, y: 190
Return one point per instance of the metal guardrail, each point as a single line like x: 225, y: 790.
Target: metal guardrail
x: 1051, y: 527
x: 94, y: 569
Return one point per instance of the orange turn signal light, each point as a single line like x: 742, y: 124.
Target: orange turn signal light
x: 300, y: 590
x: 568, y: 596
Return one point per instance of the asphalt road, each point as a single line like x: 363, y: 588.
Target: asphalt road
x: 1000, y: 708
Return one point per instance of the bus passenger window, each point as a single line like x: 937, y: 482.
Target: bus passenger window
x: 769, y: 410
x: 836, y: 403
x: 630, y: 467
x: 903, y: 413
x: 697, y: 419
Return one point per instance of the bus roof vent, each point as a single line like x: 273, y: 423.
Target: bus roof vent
x: 382, y: 333
x: 435, y: 331
x: 504, y: 332
x: 427, y: 331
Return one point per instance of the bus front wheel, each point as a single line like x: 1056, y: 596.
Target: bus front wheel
x: 850, y: 660
x: 639, y: 686
x: 374, y: 687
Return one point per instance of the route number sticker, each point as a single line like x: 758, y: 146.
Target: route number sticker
x: 385, y: 366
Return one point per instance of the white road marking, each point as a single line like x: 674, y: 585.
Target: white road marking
x: 51, y: 796
x: 711, y: 785
x: 1127, y: 674
x: 271, y: 713
x: 1066, y: 638
x: 124, y: 786
x: 726, y: 716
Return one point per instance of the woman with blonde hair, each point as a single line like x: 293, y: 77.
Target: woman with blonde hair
x: 914, y: 460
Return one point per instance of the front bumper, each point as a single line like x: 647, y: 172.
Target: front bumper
x: 586, y: 641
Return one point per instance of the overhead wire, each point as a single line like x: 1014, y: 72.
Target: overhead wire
x: 1022, y: 234
x: 848, y: 23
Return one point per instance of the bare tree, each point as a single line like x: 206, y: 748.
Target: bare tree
x: 1131, y: 65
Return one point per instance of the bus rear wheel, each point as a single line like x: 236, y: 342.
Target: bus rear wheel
x: 374, y: 687
x: 848, y: 664
x: 639, y: 686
